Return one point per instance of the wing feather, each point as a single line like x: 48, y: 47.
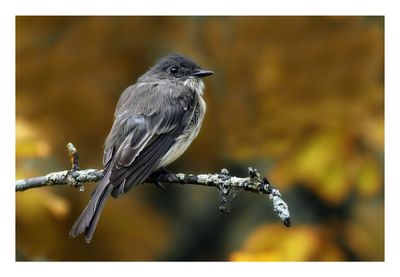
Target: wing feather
x: 148, y: 138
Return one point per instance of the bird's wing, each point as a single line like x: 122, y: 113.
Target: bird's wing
x: 152, y: 131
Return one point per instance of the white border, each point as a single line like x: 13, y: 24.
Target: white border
x: 204, y: 7
x: 200, y: 7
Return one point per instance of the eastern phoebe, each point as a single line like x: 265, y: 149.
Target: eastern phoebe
x: 155, y: 121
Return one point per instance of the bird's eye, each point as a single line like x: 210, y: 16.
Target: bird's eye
x: 173, y: 70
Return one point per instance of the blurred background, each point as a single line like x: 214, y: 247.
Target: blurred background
x: 299, y: 98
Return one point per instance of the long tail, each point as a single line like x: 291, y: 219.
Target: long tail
x: 87, y: 221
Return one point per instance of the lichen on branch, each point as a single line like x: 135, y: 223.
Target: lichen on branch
x: 226, y: 184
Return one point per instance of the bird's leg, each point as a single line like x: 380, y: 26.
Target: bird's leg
x: 160, y: 175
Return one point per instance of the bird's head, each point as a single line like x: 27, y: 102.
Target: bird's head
x: 177, y: 67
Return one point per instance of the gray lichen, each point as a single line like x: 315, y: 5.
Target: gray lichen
x: 227, y: 185
x: 281, y: 209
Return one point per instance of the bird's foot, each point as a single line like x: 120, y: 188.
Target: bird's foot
x: 160, y: 175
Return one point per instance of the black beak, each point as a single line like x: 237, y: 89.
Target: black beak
x: 202, y: 73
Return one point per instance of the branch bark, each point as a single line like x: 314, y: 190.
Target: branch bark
x: 226, y: 184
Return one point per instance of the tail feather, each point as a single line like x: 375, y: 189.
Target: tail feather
x: 87, y: 221
x: 95, y: 219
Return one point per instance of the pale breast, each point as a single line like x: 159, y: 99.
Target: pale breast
x: 191, y: 132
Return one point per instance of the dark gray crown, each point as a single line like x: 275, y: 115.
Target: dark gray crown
x: 177, y: 60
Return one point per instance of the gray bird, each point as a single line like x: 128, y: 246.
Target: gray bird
x: 155, y: 121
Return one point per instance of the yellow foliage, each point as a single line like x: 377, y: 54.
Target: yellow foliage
x: 300, y: 243
x: 38, y: 216
x: 325, y: 165
x: 364, y: 233
x: 369, y: 179
x: 29, y: 142
x: 43, y: 219
x: 40, y: 202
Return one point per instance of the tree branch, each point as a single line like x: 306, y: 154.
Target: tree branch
x: 226, y: 184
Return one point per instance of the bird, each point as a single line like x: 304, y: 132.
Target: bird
x: 155, y: 121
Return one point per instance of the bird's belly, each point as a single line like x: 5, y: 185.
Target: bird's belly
x: 183, y: 141
x: 179, y: 147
